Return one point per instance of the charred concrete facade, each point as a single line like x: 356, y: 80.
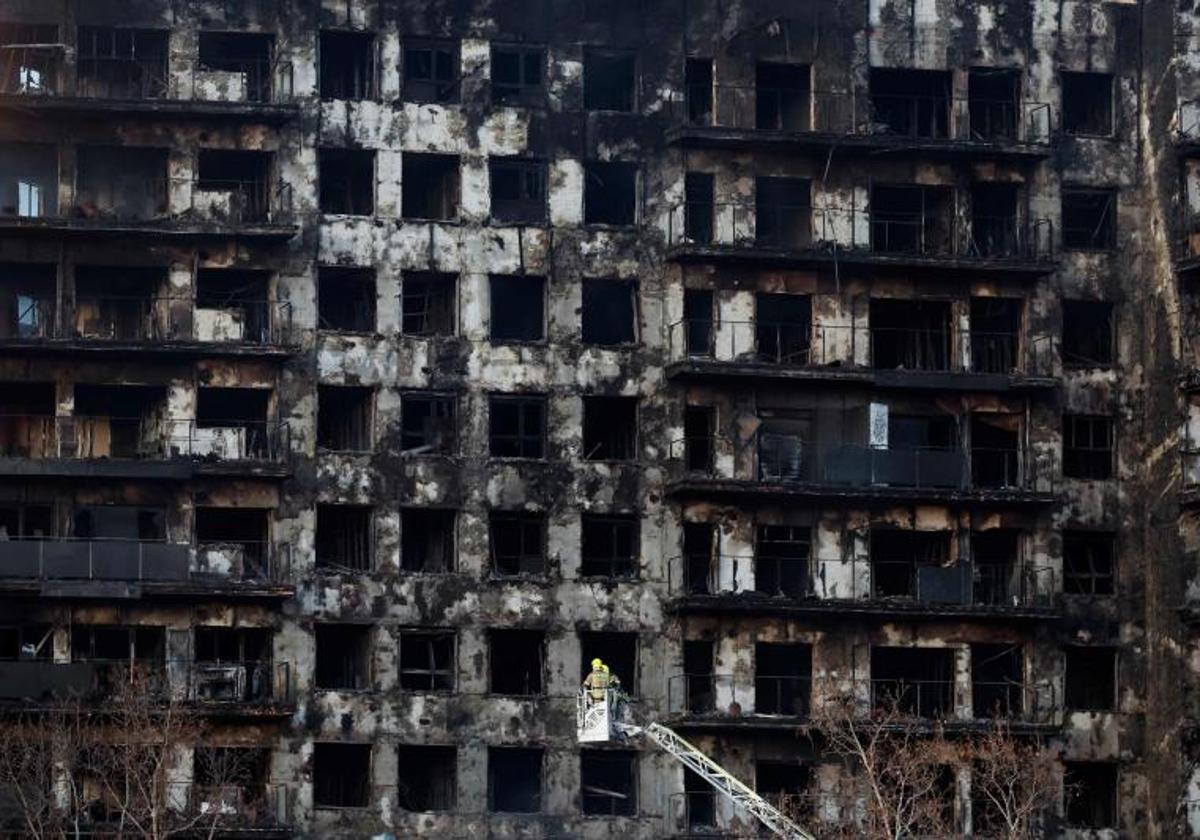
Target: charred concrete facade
x: 369, y: 366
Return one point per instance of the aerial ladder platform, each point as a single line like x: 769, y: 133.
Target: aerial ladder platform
x: 600, y: 719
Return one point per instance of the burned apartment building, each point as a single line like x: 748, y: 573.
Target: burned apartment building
x: 367, y: 367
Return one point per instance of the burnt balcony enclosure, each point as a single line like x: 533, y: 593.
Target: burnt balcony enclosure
x: 236, y: 66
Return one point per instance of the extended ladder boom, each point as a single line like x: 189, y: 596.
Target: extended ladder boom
x: 715, y: 775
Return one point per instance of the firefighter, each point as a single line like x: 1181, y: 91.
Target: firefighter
x: 598, y: 681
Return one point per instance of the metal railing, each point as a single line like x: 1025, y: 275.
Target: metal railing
x: 995, y: 585
x: 31, y: 69
x: 805, y: 228
x: 913, y: 698
x: 40, y: 436
x: 108, y: 559
x: 262, y: 80
x: 119, y: 198
x: 158, y: 318
x: 706, y: 814
x: 120, y: 77
x: 231, y: 805
x: 730, y: 694
x: 861, y: 113
x: 863, y: 347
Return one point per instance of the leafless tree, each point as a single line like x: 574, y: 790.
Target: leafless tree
x: 1014, y: 782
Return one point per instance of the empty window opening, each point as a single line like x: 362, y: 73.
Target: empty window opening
x: 235, y: 305
x: 995, y: 230
x: 698, y: 90
x: 431, y: 71
x: 1089, y: 219
x: 428, y: 303
x: 783, y: 328
x: 783, y: 442
x: 233, y: 185
x: 518, y: 543
x: 428, y: 777
x: 922, y: 431
x: 515, y: 780
x: 915, y: 564
x: 609, y: 81
x: 910, y: 334
x: 1088, y: 446
x: 119, y: 522
x: 427, y: 540
x: 26, y: 642
x: 781, y: 560
x: 28, y: 180
x: 246, y: 56
x: 33, y: 58
x: 120, y: 421
x: 517, y: 426
x: 1090, y: 793
x: 700, y: 801
x: 782, y: 679
x: 121, y: 63
x: 25, y: 522
x: 344, y: 414
x: 120, y: 182
x: 1091, y: 678
x: 782, y: 96
x: 699, y: 430
x: 1089, y: 563
x: 118, y: 650
x: 999, y: 576
x: 518, y: 190
x: 698, y: 207
x: 785, y: 785
x: 231, y: 423
x: 699, y: 678
x: 1087, y: 103
x: 343, y: 656
x: 995, y: 334
x: 608, y: 782
x: 347, y: 181
x: 993, y: 98
x: 347, y: 65
x: 699, y: 546
x: 609, y: 193
x: 235, y: 539
x: 346, y: 299
x: 518, y: 75
x: 610, y: 428
x: 428, y: 423
x: 430, y: 186
x: 783, y: 212
x: 995, y: 449
x: 610, y: 311
x: 27, y: 299
x: 997, y: 681
x: 910, y: 219
x: 617, y: 650
x: 27, y: 426
x: 609, y: 546
x: 1087, y: 339
x: 698, y: 321
x: 120, y: 303
x: 426, y: 660
x: 516, y: 660
x: 910, y: 103
x: 915, y: 681
x: 343, y: 538
x: 233, y: 664
x: 518, y: 308
x: 341, y: 775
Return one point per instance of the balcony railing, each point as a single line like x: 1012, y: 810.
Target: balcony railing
x: 913, y: 698
x: 156, y: 319
x: 31, y: 69
x: 802, y: 345
x: 729, y: 694
x: 141, y: 438
x: 81, y: 558
x: 206, y: 683
x: 803, y: 228
x: 1018, y: 584
x: 768, y: 109
x: 242, y: 80
x: 230, y: 806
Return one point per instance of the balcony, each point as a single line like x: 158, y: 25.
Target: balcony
x: 118, y: 206
x: 705, y: 815
x: 133, y: 325
x: 804, y: 236
x: 916, y: 357
x: 259, y: 688
x: 787, y: 466
x: 880, y: 586
x: 126, y: 568
x: 141, y: 447
x: 783, y: 119
x: 236, y: 809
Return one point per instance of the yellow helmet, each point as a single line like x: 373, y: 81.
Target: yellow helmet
x: 596, y: 663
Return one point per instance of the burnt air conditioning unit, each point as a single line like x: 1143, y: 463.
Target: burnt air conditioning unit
x: 219, y: 683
